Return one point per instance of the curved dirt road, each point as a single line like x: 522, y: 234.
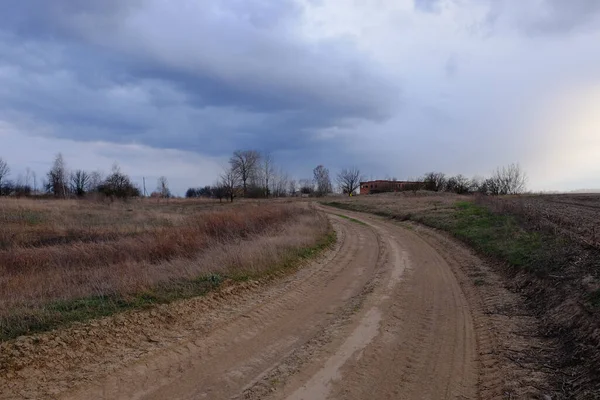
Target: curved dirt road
x: 386, y: 314
x: 382, y: 316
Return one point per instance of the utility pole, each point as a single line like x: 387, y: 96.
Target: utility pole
x: 144, y: 179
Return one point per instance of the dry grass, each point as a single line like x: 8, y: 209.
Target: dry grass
x: 57, y: 252
x: 401, y: 205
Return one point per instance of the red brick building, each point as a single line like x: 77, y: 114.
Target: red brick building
x: 381, y: 186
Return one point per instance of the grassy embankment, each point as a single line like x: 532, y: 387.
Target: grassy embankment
x: 558, y: 274
x: 67, y: 261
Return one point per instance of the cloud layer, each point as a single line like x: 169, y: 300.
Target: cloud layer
x: 395, y: 87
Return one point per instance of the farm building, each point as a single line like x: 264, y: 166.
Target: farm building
x: 381, y: 186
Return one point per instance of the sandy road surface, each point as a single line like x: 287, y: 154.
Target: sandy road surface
x: 381, y: 316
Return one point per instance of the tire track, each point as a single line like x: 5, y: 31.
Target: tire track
x: 219, y: 363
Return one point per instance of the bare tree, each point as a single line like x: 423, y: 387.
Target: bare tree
x: 322, y: 180
x: 292, y: 187
x: 95, y: 180
x: 306, y: 186
x: 435, y: 181
x: 57, y: 178
x: 508, y: 180
x: 219, y: 191
x: 28, y: 176
x: 4, y: 170
x: 280, y: 183
x: 267, y: 170
x: 230, y: 180
x: 162, y: 187
x: 349, y: 180
x: 118, y: 185
x: 245, y: 164
x: 80, y: 181
x: 459, y: 184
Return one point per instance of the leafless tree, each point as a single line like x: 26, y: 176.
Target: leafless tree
x: 4, y: 170
x: 267, y: 170
x: 306, y: 186
x: 230, y: 180
x: 459, y: 184
x: 245, y: 164
x: 118, y: 185
x: 80, y: 181
x: 509, y: 180
x: 349, y: 180
x: 219, y: 191
x: 162, y: 187
x: 57, y: 177
x: 435, y: 181
x: 28, y: 176
x: 292, y: 187
x: 95, y: 180
x: 280, y: 182
x: 322, y: 180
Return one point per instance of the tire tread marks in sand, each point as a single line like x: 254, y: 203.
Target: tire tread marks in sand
x: 512, y: 353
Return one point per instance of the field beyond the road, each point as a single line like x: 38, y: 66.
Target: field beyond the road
x: 69, y: 260
x: 547, y: 247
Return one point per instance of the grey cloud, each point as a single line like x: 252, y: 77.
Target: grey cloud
x: 546, y: 17
x: 234, y: 75
x: 559, y: 16
x: 61, y: 18
x: 211, y: 76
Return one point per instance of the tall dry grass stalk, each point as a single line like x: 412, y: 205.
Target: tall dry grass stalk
x: 97, y: 258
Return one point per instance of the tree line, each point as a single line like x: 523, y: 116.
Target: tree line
x: 59, y: 182
x: 252, y: 174
x: 506, y: 180
x: 249, y: 174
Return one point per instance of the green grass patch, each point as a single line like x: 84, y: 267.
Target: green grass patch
x: 63, y: 313
x: 496, y: 235
x: 501, y: 236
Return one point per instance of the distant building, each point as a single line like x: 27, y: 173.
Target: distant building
x: 382, y: 186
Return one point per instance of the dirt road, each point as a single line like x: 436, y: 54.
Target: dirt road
x: 381, y: 316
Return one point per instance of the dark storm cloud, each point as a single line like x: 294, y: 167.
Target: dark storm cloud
x: 233, y: 75
x: 60, y: 18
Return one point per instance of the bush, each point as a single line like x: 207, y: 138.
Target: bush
x: 118, y: 185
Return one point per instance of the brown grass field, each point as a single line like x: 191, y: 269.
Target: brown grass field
x: 70, y: 260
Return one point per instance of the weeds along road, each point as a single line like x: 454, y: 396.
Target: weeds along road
x: 380, y: 316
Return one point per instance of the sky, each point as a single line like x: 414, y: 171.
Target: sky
x: 396, y: 88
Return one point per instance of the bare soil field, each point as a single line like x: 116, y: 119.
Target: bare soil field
x: 393, y: 310
x: 576, y: 215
